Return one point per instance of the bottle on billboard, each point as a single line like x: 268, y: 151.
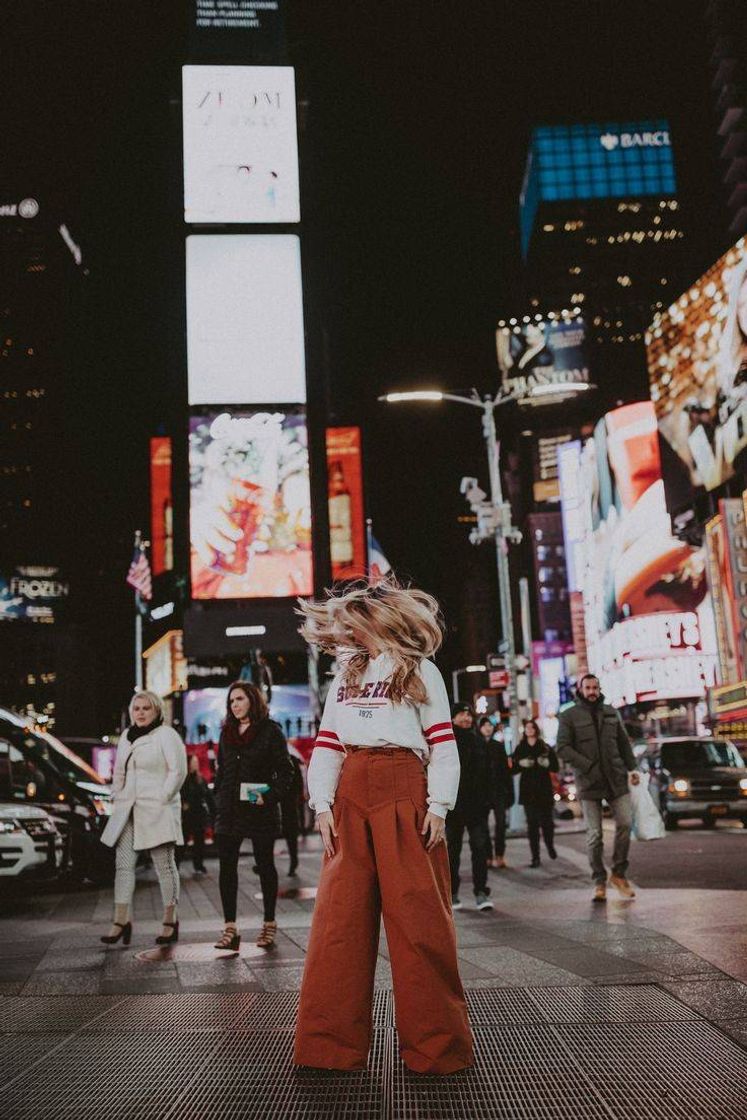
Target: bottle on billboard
x: 340, y: 517
x: 245, y: 511
x: 168, y: 535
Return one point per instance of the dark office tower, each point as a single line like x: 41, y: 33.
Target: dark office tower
x: 601, y: 230
x: 727, y: 24
x: 41, y: 283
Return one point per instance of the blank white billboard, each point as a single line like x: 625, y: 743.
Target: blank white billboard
x: 240, y: 144
x: 245, y: 337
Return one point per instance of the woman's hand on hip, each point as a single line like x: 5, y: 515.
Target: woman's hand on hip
x: 434, y: 828
x: 325, y: 822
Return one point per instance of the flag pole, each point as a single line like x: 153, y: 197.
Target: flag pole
x: 138, y: 624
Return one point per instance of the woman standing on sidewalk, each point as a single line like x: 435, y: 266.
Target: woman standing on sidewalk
x: 149, y: 769
x: 383, y: 775
x: 536, y: 762
x: 252, y: 751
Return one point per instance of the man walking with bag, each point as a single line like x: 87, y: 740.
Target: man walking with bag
x: 592, y: 739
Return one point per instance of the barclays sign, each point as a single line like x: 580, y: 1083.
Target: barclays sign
x: 610, y: 141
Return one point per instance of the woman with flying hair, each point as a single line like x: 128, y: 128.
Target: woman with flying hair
x: 383, y: 775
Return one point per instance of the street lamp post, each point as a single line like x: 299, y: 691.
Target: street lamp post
x: 494, y: 519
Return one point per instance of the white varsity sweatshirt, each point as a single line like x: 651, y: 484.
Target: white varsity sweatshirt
x: 365, y: 717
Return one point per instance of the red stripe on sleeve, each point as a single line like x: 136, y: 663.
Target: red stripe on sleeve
x: 437, y: 727
x: 327, y: 734
x: 330, y: 744
x: 435, y: 742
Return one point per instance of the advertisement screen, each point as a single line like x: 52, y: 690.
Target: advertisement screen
x: 205, y: 711
x: 347, y: 528
x: 237, y: 29
x: 648, y: 617
x: 250, y: 504
x: 32, y: 594
x: 697, y: 362
x: 161, y: 506
x: 245, y: 336
x: 240, y: 144
x: 165, y: 665
x: 546, y: 352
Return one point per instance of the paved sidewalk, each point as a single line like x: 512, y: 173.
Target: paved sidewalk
x: 633, y: 1009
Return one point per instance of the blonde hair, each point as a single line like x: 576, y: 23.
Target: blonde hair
x: 154, y: 700
x: 402, y: 621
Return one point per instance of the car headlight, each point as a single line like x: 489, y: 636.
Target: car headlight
x: 10, y: 826
x: 680, y: 785
x: 743, y: 785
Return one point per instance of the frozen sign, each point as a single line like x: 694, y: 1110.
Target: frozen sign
x: 31, y: 594
x: 240, y: 144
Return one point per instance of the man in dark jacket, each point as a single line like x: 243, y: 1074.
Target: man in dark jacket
x: 592, y: 739
x: 471, y: 808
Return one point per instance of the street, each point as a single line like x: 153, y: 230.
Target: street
x: 655, y: 990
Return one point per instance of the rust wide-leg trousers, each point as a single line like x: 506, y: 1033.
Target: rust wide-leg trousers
x: 380, y: 865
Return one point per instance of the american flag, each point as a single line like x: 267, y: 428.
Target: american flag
x: 139, y: 575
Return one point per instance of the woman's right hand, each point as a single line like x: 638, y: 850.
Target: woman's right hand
x: 325, y: 822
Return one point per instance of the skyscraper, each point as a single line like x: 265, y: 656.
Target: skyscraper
x: 727, y: 24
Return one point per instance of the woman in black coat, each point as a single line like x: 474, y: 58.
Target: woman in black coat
x: 535, y: 762
x: 501, y: 786
x: 252, y: 749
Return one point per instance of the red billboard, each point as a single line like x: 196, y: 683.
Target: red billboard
x: 161, y: 506
x: 347, y: 528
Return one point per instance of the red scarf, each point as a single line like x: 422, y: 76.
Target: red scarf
x: 232, y: 736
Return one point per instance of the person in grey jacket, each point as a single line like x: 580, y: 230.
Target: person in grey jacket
x: 592, y: 740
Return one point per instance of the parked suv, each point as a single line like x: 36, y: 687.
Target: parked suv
x: 37, y: 769
x: 29, y: 840
x: 697, y: 778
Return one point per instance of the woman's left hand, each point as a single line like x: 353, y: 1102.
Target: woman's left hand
x: 433, y: 829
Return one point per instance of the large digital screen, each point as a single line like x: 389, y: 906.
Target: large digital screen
x: 542, y: 352
x: 245, y: 336
x: 612, y: 159
x: 32, y: 594
x: 250, y: 504
x: 237, y: 29
x: 347, y: 529
x: 161, y: 506
x: 240, y: 144
x: 648, y: 617
x: 697, y: 362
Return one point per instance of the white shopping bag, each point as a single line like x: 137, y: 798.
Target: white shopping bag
x: 647, y: 822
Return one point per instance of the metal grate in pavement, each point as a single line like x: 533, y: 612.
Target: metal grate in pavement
x: 109, y: 1077
x: 488, y: 1006
x: 383, y: 1009
x: 663, y: 1071
x: 520, y: 1073
x: 189, y: 1012
x: 611, y: 1004
x: 49, y: 1014
x: 252, y: 1076
x: 23, y: 1050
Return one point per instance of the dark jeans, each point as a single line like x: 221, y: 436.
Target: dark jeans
x: 539, y: 818
x: 500, y: 808
x: 622, y: 811
x: 228, y: 853
x: 479, y: 843
x: 194, y: 826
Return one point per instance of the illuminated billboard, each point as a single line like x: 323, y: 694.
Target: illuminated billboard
x: 165, y: 665
x: 250, y: 504
x: 240, y: 144
x: 347, y: 528
x: 697, y: 362
x: 32, y: 594
x: 245, y: 335
x: 541, y: 352
x: 161, y: 506
x: 237, y: 29
x: 612, y: 159
x: 648, y: 617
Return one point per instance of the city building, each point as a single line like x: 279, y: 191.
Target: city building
x: 727, y: 27
x: 601, y: 230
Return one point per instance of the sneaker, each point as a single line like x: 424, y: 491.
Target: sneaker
x: 600, y: 893
x: 552, y: 853
x: 456, y: 903
x: 621, y: 884
x: 482, y: 902
x: 200, y: 871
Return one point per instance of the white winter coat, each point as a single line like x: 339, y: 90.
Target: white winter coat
x: 148, y: 775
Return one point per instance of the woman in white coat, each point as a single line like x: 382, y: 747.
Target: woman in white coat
x: 149, y: 771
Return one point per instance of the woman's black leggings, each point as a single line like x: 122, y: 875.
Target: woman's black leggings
x: 228, y: 853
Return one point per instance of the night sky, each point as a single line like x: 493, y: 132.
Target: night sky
x: 418, y: 119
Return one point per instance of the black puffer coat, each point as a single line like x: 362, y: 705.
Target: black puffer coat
x: 535, y: 764
x: 475, y: 786
x: 260, y: 755
x: 592, y: 739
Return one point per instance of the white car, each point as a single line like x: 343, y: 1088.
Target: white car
x: 28, y: 839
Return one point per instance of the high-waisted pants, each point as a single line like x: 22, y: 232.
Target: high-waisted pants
x: 380, y: 865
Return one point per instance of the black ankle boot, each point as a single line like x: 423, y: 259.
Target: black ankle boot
x: 172, y: 937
